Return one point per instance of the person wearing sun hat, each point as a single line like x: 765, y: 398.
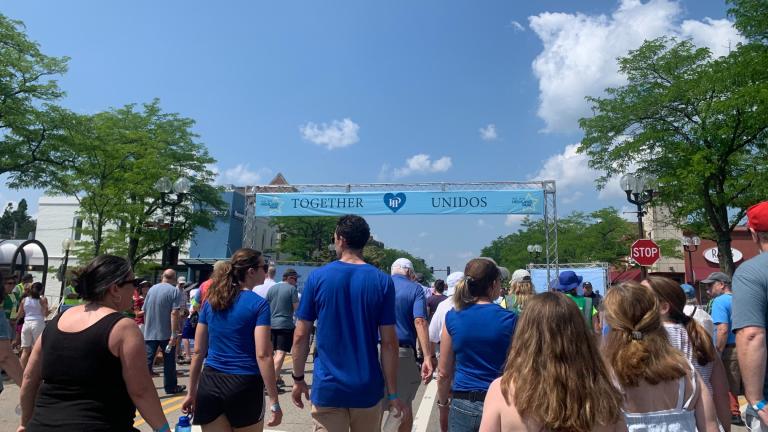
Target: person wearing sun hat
x: 750, y: 318
x: 568, y: 283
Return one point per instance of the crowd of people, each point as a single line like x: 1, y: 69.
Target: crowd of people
x: 644, y: 357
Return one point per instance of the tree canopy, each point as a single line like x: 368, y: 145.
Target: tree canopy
x: 599, y: 236
x: 695, y: 122
x: 118, y: 157
x: 27, y: 90
x: 15, y: 223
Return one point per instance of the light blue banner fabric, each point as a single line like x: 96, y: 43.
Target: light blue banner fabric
x: 524, y: 202
x: 595, y: 275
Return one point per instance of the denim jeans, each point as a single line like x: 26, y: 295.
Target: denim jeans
x: 465, y: 416
x: 169, y: 363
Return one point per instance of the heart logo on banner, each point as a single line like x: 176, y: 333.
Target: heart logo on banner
x: 394, y: 201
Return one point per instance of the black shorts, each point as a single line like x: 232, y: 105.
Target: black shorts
x: 239, y: 397
x: 282, y: 340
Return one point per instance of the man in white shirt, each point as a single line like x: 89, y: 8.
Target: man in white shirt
x: 438, y: 319
x: 263, y: 289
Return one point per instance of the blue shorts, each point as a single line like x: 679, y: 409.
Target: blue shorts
x: 188, y: 331
x: 6, y: 332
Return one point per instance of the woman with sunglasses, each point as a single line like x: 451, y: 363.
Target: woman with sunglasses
x: 233, y: 337
x: 88, y: 370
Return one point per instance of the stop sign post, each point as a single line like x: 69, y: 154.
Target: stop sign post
x: 645, y: 252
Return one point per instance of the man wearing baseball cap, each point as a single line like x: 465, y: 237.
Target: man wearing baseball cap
x: 719, y: 287
x: 750, y: 303
x: 411, y: 326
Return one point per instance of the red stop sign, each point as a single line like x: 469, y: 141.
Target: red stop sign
x: 645, y: 252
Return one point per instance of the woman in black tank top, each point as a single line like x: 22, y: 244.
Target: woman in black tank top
x: 75, y: 380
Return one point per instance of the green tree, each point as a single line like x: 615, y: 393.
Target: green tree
x: 306, y: 238
x: 16, y: 223
x: 27, y: 89
x: 600, y: 236
x: 751, y: 18
x: 118, y: 157
x: 697, y: 123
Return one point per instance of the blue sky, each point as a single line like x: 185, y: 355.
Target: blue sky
x: 362, y: 92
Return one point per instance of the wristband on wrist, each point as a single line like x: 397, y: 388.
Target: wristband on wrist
x: 275, y: 408
x: 297, y: 378
x: 443, y: 404
x: 759, y: 405
x: 392, y: 396
x: 163, y: 428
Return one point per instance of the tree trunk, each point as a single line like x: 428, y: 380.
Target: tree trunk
x: 724, y: 253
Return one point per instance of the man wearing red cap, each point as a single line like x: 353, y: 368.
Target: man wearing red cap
x: 750, y: 319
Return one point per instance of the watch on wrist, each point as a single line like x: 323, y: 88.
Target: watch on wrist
x: 275, y: 408
x: 297, y: 378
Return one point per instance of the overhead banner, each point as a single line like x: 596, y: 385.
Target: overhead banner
x: 523, y: 202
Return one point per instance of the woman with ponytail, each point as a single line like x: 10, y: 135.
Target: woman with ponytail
x: 662, y: 390
x: 233, y: 338
x: 473, y: 346
x: 690, y: 337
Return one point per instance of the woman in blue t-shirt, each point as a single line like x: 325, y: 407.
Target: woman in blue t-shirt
x: 233, y: 336
x: 473, y: 346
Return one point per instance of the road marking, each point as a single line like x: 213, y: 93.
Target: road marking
x: 140, y: 421
x: 165, y: 403
x: 421, y: 420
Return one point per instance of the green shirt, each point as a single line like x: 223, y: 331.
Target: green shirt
x: 581, y: 302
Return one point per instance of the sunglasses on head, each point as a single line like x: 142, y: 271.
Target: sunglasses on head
x: 134, y: 282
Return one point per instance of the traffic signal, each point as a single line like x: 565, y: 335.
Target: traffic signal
x: 431, y: 269
x: 448, y: 270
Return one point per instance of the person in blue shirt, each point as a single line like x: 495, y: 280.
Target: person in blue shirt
x: 411, y: 323
x: 719, y: 287
x: 233, y: 338
x: 473, y: 346
x: 353, y: 302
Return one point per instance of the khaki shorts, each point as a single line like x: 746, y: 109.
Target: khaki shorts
x: 732, y: 372
x: 346, y: 419
x: 408, y: 376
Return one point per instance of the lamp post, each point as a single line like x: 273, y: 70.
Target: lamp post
x: 179, y: 189
x: 639, y: 188
x: 534, y: 249
x: 690, y: 244
x: 66, y: 245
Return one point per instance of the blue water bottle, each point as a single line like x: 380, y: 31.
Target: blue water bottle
x: 183, y: 425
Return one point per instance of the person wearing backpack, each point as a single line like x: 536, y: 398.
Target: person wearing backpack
x: 568, y: 283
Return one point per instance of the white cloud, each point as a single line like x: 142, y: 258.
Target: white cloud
x: 337, y: 134
x: 488, y: 133
x: 241, y: 175
x: 574, y: 178
x: 580, y: 51
x: 514, y: 220
x: 422, y: 164
x: 516, y: 26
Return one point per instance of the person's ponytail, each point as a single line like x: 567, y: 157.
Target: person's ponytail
x: 461, y: 295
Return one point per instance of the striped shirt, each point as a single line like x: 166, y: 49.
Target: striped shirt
x: 678, y: 337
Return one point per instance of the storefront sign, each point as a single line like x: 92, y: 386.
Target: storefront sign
x: 711, y: 255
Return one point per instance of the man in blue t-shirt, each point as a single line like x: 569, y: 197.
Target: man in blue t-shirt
x: 353, y: 302
x: 719, y: 287
x: 411, y: 323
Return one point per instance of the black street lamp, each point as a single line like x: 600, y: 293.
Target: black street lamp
x: 66, y: 245
x: 179, y: 189
x: 534, y: 249
x: 690, y: 244
x: 639, y: 189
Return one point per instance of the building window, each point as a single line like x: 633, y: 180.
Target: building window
x: 77, y: 228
